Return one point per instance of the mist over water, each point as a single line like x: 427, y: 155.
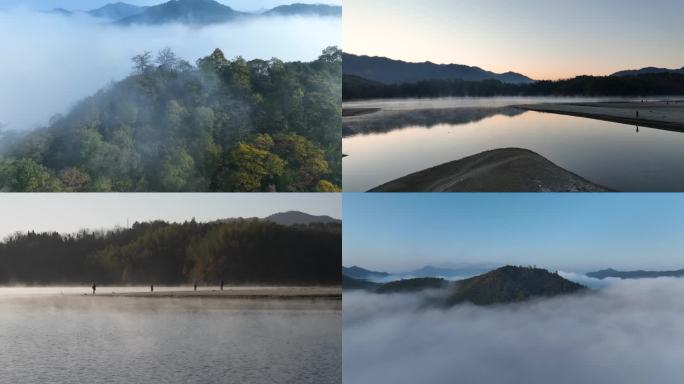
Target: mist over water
x: 399, y: 142
x: 50, y: 62
x: 629, y: 332
x: 89, y: 339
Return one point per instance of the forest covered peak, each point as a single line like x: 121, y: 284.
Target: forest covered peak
x: 222, y: 125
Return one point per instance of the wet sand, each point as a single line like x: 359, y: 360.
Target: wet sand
x: 652, y: 114
x: 333, y: 293
x: 499, y: 170
x: 348, y: 112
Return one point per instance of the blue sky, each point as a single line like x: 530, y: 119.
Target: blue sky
x: 68, y: 213
x: 246, y: 5
x: 571, y: 232
x: 544, y: 39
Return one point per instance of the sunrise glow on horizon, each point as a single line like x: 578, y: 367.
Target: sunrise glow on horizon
x: 544, y: 40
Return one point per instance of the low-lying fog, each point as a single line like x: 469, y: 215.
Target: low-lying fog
x: 630, y: 331
x: 86, y: 339
x: 49, y: 62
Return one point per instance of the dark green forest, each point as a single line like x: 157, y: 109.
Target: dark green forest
x: 242, y: 251
x: 660, y: 84
x: 220, y: 125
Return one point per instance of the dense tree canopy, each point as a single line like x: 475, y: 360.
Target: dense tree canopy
x: 237, y: 251
x: 643, y: 85
x: 222, y: 125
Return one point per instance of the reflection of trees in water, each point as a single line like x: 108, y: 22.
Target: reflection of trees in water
x: 386, y: 121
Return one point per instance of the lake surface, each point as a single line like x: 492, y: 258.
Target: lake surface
x: 48, y: 337
x: 411, y: 135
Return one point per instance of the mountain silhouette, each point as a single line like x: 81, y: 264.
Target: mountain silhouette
x: 388, y: 71
x: 606, y: 273
x: 196, y: 12
x: 509, y: 285
x: 299, y: 9
x: 116, y: 11
x: 299, y: 218
x: 361, y: 273
x: 648, y: 71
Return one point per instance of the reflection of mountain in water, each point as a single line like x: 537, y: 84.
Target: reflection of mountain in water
x: 386, y: 121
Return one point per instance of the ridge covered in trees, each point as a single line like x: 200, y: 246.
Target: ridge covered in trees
x: 241, y: 251
x: 221, y: 125
x: 655, y: 84
x: 509, y: 284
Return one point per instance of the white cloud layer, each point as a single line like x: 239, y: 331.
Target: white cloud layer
x: 49, y: 62
x: 629, y: 332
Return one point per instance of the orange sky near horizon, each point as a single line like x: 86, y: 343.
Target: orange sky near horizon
x: 545, y: 40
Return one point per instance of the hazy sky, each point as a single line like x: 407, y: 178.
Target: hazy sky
x: 71, y: 212
x: 45, y: 69
x: 243, y: 5
x: 570, y: 232
x: 543, y: 39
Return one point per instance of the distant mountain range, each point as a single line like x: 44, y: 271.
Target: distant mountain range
x: 648, y: 71
x: 430, y: 271
x: 117, y: 11
x: 388, y: 71
x: 195, y: 12
x: 426, y: 271
x: 606, y: 273
x: 363, y: 274
x: 299, y: 9
x: 300, y: 218
x: 288, y: 218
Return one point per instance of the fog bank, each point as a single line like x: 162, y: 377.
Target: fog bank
x: 629, y: 332
x: 50, y: 62
x: 121, y: 340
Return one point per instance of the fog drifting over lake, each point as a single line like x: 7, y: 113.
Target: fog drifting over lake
x: 629, y: 332
x: 50, y: 62
x: 159, y: 340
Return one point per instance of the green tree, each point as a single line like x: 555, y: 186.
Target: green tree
x: 251, y: 169
x: 177, y: 171
x: 28, y: 176
x: 305, y: 162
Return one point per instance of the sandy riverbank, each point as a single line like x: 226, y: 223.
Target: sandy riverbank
x: 333, y: 293
x: 667, y: 115
x: 499, y: 170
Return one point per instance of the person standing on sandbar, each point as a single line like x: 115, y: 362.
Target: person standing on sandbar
x: 94, y: 288
x: 195, y: 285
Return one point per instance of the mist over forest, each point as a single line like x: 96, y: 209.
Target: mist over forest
x: 206, y: 109
x: 51, y: 62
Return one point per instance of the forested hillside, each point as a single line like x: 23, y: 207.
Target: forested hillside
x: 221, y: 125
x: 658, y: 84
x: 243, y: 251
